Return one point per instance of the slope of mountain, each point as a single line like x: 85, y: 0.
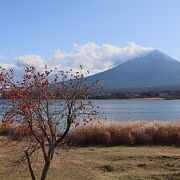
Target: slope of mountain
x: 152, y: 71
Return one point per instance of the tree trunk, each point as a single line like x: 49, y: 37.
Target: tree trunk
x: 45, y: 169
x: 29, y: 166
x: 47, y: 160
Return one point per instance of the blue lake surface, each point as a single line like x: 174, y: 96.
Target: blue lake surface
x: 123, y: 110
x: 132, y: 110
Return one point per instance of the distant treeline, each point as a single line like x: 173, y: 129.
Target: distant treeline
x: 145, y: 94
x: 126, y: 95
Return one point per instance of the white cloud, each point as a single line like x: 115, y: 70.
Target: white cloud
x: 91, y: 56
x: 30, y: 60
x: 98, y: 58
x: 5, y: 65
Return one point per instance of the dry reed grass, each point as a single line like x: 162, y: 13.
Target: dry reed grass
x: 127, y: 133
x: 13, y: 130
x: 110, y: 133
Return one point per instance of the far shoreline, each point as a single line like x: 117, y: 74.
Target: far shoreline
x: 147, y: 99
x: 155, y: 98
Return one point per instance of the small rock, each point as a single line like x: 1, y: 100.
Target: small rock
x: 141, y: 165
x: 170, y: 165
x: 107, y: 168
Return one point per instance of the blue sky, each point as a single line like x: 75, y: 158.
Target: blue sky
x: 43, y: 27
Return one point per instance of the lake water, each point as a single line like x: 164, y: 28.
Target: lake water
x: 131, y: 110
x: 122, y: 110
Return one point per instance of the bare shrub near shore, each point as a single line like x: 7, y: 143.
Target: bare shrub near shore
x: 36, y: 112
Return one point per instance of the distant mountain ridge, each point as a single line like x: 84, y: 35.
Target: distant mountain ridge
x: 151, y: 71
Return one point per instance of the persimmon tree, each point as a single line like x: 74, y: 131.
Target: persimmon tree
x: 47, y: 103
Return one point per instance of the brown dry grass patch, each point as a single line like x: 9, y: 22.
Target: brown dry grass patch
x: 110, y: 133
x: 127, y: 133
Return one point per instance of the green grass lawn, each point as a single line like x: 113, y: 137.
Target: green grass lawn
x: 144, y: 162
